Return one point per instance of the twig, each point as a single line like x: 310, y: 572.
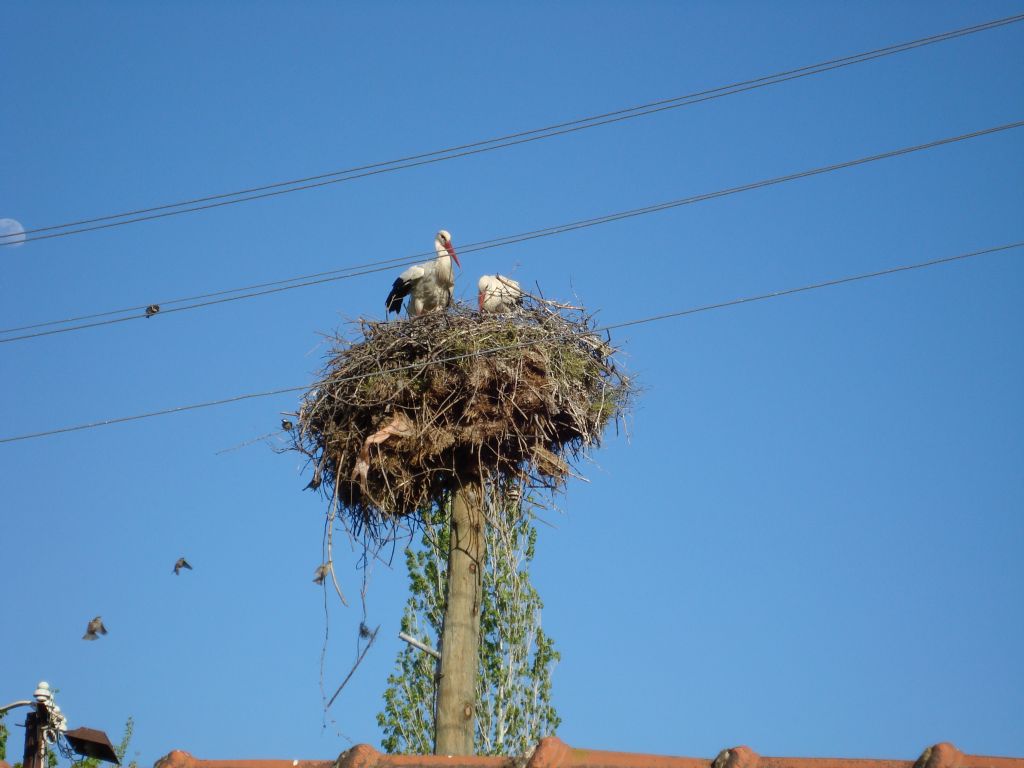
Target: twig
x: 248, y: 442
x: 417, y: 644
x: 373, y: 636
x: 330, y: 542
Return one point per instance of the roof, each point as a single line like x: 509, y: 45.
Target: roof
x: 552, y: 752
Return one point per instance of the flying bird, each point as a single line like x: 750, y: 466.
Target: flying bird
x: 94, y: 629
x: 320, y: 573
x: 431, y: 285
x: 498, y: 294
x: 181, y: 563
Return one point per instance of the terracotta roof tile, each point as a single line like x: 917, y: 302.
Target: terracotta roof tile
x: 555, y: 753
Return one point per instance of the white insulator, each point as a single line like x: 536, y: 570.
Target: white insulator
x: 43, y: 693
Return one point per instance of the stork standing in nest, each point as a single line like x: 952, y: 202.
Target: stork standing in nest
x: 430, y: 286
x: 498, y: 294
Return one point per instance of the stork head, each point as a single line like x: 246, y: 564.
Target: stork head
x: 482, y: 289
x: 443, y: 245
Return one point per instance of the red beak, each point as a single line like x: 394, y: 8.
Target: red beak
x: 451, y: 251
x: 480, y: 300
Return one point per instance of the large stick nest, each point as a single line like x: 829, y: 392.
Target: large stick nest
x: 401, y: 417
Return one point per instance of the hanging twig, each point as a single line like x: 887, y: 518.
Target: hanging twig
x: 330, y: 541
x: 373, y: 636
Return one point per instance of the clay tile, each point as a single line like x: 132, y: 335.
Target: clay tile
x: 551, y: 752
x: 360, y: 756
x: 736, y: 757
x: 941, y: 755
x: 175, y: 759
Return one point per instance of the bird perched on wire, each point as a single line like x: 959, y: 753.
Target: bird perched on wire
x: 498, y: 294
x: 152, y: 309
x: 180, y: 563
x: 430, y: 286
x: 321, y: 573
x: 94, y: 629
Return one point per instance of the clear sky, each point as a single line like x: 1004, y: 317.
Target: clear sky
x: 809, y: 538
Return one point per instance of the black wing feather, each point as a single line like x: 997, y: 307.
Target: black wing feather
x: 399, y: 291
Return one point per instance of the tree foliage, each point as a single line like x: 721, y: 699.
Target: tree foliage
x: 513, y: 708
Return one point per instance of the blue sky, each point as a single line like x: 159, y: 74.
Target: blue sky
x: 809, y: 541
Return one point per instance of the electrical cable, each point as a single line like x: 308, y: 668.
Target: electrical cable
x: 463, y: 150
x: 222, y: 297
x: 609, y: 327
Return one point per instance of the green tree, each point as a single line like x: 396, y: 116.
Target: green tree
x: 4, y: 733
x: 513, y: 708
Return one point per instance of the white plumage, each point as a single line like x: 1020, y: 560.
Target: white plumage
x: 498, y: 294
x: 430, y: 286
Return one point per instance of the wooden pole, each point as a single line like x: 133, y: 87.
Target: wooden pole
x: 33, y: 753
x: 460, y: 634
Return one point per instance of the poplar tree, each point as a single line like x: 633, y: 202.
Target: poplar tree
x: 516, y: 659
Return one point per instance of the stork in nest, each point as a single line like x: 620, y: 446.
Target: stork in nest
x: 429, y: 286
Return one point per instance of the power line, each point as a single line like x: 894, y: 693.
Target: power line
x: 815, y: 286
x: 390, y: 263
x: 479, y: 353
x: 345, y: 273
x: 487, y: 145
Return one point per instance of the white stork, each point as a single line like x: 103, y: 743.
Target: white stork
x: 498, y: 294
x: 431, y: 285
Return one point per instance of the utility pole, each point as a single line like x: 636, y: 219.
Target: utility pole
x: 455, y: 719
x: 45, y: 714
x: 46, y: 724
x: 34, y: 745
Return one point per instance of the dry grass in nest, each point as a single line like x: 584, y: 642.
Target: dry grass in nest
x: 418, y: 405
